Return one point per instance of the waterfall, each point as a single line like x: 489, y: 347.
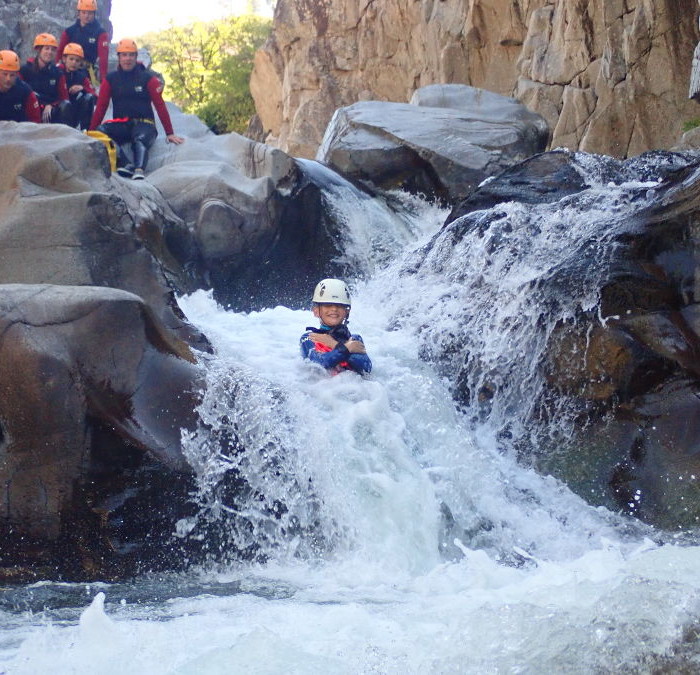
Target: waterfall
x: 384, y: 526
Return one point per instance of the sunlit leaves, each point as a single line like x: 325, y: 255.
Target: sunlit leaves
x: 207, y: 67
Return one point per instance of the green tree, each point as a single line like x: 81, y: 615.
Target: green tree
x: 207, y: 67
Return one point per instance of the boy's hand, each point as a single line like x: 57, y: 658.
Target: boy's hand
x: 356, y: 347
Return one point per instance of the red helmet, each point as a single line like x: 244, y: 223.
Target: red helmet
x: 9, y: 60
x: 73, y: 49
x: 126, y: 46
x: 45, y: 40
x: 87, y: 5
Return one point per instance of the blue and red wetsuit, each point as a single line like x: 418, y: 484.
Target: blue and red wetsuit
x: 337, y: 359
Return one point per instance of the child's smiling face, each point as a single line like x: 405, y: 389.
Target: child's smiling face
x: 331, y: 314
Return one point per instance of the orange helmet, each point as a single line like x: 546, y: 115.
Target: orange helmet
x: 9, y: 60
x: 126, y: 46
x: 87, y: 5
x: 73, y: 49
x: 45, y: 40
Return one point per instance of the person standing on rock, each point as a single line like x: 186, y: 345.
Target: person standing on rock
x: 18, y: 103
x: 332, y: 345
x: 82, y: 95
x: 134, y: 90
x: 88, y: 33
x: 47, y: 81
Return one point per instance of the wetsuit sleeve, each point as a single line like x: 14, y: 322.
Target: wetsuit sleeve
x: 360, y: 363
x: 326, y: 359
x: 102, y: 104
x: 32, y: 109
x: 87, y: 86
x: 155, y: 89
x: 103, y: 54
x: 61, y: 46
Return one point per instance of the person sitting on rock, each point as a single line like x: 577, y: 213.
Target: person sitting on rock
x: 47, y: 81
x: 332, y: 345
x: 134, y: 90
x: 80, y: 91
x: 18, y: 103
x: 88, y: 33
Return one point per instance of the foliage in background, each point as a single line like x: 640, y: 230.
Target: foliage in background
x: 207, y: 67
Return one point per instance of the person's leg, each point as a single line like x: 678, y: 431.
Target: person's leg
x: 75, y: 108
x: 84, y: 106
x: 120, y: 133
x: 62, y: 113
x: 142, y: 139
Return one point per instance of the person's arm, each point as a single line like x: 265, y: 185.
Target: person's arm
x: 87, y: 86
x: 61, y: 46
x: 62, y: 89
x: 103, y: 54
x: 102, y: 104
x: 328, y: 359
x: 155, y: 89
x: 32, y: 109
x: 358, y: 360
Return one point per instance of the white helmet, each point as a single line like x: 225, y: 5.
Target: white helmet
x: 332, y: 291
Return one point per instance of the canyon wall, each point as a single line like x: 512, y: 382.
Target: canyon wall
x: 22, y: 20
x: 609, y: 76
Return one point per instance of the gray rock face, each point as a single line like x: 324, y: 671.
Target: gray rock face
x: 79, y: 366
x: 21, y: 21
x: 443, y: 145
x: 609, y: 77
x: 256, y: 216
x: 56, y: 188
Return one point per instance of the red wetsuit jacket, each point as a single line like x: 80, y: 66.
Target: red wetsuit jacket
x: 132, y: 93
x: 94, y: 41
x: 20, y: 104
x: 48, y: 83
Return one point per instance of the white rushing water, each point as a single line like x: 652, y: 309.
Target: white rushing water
x: 411, y: 543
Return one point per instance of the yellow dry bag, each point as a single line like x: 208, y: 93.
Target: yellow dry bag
x: 109, y: 144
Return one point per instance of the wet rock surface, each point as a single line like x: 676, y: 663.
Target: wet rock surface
x: 614, y: 386
x: 98, y: 362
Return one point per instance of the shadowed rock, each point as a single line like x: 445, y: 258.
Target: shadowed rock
x: 586, y: 268
x: 85, y: 373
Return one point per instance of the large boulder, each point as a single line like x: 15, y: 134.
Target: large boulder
x: 570, y: 323
x: 94, y: 392
x: 443, y: 145
x: 261, y: 229
x: 64, y: 219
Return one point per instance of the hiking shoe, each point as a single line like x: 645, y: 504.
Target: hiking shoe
x: 127, y: 171
x: 138, y: 174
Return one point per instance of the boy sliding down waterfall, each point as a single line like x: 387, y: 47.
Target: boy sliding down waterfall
x: 332, y: 345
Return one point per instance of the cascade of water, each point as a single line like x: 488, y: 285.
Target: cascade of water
x: 358, y: 490
x: 340, y: 465
x: 501, y: 281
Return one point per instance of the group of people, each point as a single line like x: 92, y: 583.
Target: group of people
x: 60, y: 84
